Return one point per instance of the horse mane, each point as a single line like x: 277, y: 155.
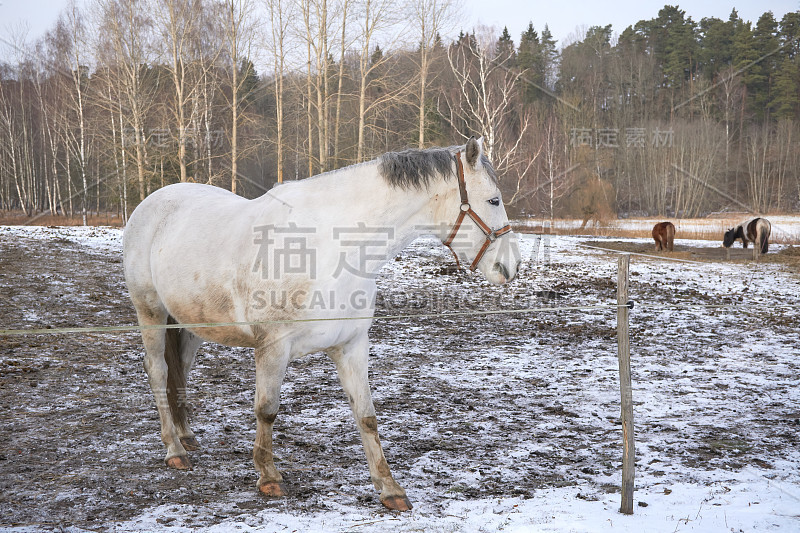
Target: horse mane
x: 414, y: 168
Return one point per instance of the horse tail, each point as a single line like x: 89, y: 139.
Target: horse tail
x: 176, y: 377
x: 670, y: 235
x: 765, y: 228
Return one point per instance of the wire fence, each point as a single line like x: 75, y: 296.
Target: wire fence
x: 16, y: 332
x: 630, y: 305
x: 114, y: 329
x: 611, y: 250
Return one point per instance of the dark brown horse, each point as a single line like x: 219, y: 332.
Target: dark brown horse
x: 664, y: 235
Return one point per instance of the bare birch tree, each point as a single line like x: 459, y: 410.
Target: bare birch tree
x: 430, y: 19
x: 483, y: 97
x: 373, y: 17
x: 177, y: 22
x: 240, y: 30
x: 280, y: 14
x: 74, y: 24
x: 343, y: 43
x: 128, y: 27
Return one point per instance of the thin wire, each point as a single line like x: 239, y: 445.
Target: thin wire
x: 716, y: 306
x: 115, y: 329
x: 631, y: 305
x: 665, y: 258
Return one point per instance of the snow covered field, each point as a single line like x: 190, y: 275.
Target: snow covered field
x: 506, y: 423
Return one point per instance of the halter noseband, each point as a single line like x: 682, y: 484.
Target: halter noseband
x: 466, y: 210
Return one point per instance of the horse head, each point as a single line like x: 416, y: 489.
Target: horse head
x: 481, y: 235
x: 729, y: 238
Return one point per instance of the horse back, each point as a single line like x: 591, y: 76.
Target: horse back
x: 664, y: 234
x: 752, y: 229
x: 185, y: 251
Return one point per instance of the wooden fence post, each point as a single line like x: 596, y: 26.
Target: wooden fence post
x: 624, y: 354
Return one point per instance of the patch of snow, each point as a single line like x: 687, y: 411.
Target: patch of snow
x: 750, y: 502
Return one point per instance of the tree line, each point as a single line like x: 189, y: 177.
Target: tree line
x: 671, y: 117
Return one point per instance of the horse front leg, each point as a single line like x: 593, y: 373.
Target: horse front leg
x: 351, y: 365
x: 271, y: 362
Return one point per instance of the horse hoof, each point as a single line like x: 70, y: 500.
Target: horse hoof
x: 179, y: 462
x: 190, y: 444
x: 396, y: 503
x: 273, y: 490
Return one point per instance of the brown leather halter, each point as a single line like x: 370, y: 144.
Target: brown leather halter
x: 466, y: 210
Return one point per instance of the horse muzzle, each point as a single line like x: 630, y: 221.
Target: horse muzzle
x: 506, y: 273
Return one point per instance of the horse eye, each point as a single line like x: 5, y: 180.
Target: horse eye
x: 495, y: 201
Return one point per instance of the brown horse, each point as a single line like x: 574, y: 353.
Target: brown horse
x: 664, y: 235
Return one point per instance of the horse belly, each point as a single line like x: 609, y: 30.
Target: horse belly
x: 321, y: 336
x: 212, y: 307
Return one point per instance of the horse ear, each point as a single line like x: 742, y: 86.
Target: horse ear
x: 473, y: 150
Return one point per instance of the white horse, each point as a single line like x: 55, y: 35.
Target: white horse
x: 756, y: 230
x: 196, y: 254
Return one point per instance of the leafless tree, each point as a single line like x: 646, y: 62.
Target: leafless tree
x: 128, y: 28
x: 483, y: 97
x: 430, y: 19
x: 240, y: 29
x: 280, y: 14
x: 372, y: 18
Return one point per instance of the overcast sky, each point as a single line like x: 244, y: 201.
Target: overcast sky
x: 563, y: 17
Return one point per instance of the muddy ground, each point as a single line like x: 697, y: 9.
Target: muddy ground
x: 494, y: 406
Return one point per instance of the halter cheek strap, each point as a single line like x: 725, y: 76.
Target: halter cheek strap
x: 466, y: 210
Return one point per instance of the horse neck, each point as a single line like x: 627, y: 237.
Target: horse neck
x: 360, y: 197
x: 408, y: 212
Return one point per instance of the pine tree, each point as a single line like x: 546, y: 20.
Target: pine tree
x: 531, y: 62
x: 250, y: 81
x: 675, y: 45
x: 786, y: 100
x: 766, y: 44
x: 504, y: 49
x: 790, y: 35
x: 715, y: 52
x: 786, y: 92
x: 550, y: 57
x: 745, y: 56
x: 376, y: 56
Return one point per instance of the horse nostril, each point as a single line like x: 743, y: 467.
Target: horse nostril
x: 500, y: 267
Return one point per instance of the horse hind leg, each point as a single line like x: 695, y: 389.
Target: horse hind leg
x: 156, y: 343
x: 180, y: 349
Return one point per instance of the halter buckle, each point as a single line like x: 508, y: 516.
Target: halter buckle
x: 465, y: 207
